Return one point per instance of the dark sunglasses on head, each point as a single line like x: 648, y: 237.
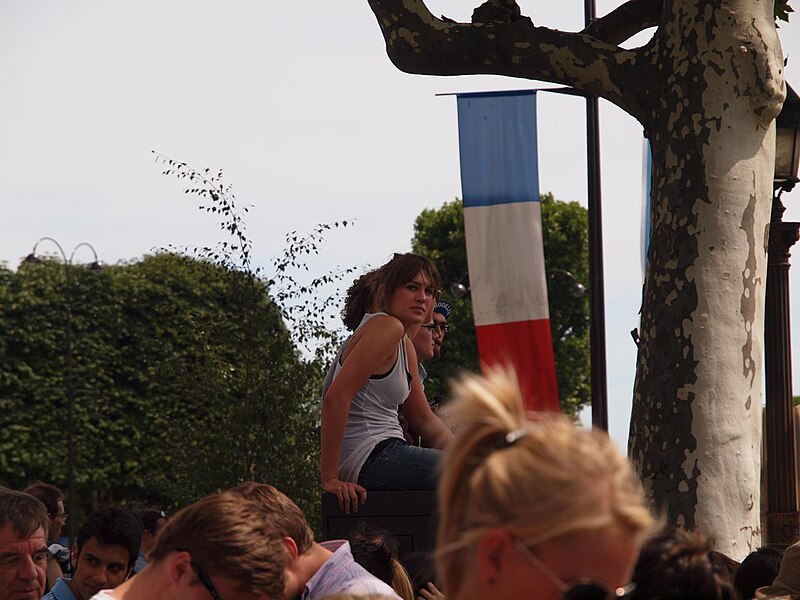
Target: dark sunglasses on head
x: 203, y: 577
x: 580, y: 589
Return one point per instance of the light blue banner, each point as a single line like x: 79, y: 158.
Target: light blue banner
x: 497, y: 143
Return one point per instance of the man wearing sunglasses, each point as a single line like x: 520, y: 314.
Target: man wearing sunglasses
x: 23, y: 546
x: 441, y: 312
x: 214, y: 549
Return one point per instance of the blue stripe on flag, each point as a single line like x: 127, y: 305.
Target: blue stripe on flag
x: 497, y: 142
x: 648, y: 184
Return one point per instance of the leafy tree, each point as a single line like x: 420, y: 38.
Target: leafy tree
x: 706, y: 89
x: 439, y: 234
x: 165, y: 352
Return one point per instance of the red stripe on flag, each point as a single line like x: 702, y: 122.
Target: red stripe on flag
x: 526, y: 346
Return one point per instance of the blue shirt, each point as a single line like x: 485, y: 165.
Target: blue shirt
x: 60, y: 591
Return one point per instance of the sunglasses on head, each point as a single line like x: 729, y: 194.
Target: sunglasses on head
x: 579, y: 589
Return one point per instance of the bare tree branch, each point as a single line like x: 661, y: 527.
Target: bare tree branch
x: 418, y: 42
x: 626, y: 21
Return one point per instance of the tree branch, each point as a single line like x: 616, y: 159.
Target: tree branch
x: 418, y: 42
x: 626, y: 21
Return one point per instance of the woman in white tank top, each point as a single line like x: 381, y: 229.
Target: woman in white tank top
x: 374, y: 375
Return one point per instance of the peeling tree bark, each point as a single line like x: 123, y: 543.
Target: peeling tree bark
x: 706, y: 88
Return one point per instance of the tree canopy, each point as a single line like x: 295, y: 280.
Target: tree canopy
x: 187, y: 381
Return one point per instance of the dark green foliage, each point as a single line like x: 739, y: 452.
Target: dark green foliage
x: 439, y: 234
x: 186, y: 381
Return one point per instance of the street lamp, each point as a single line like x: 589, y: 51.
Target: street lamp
x: 783, y: 520
x: 68, y: 263
x: 577, y: 289
x: 787, y: 143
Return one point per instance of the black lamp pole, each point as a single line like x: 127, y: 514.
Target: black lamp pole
x: 70, y: 370
x: 597, y: 319
x: 783, y: 519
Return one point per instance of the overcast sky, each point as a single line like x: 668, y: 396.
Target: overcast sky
x: 299, y: 105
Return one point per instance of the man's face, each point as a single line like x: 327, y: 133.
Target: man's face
x: 149, y: 539
x: 57, y: 522
x: 423, y: 342
x: 438, y: 334
x: 23, y: 564
x: 98, y: 567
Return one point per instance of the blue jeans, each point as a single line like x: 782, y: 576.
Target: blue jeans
x: 395, y: 465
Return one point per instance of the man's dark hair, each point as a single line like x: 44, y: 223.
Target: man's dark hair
x: 48, y: 494
x: 373, y: 548
x: 758, y: 569
x: 112, y: 525
x: 23, y: 512
x: 150, y: 518
x: 680, y: 565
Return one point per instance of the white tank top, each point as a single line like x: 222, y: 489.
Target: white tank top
x: 373, y: 411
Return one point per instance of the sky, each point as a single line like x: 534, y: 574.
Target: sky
x: 300, y: 106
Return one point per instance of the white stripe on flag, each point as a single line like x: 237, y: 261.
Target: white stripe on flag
x: 506, y: 263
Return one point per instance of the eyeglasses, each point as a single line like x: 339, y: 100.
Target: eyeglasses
x: 580, y: 589
x: 430, y: 328
x: 203, y: 577
x: 14, y: 561
x: 443, y: 326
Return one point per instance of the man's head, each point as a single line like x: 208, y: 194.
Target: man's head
x: 107, y: 547
x: 153, y: 520
x: 441, y: 312
x: 220, y: 542
x: 287, y: 524
x: 423, y: 342
x: 53, y: 500
x: 23, y: 546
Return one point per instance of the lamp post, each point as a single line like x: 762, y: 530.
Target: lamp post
x: 783, y: 520
x: 69, y: 379
x: 597, y: 305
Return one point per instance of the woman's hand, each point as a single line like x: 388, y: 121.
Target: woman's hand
x: 348, y: 494
x: 431, y: 593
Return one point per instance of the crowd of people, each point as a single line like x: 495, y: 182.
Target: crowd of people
x: 530, y: 505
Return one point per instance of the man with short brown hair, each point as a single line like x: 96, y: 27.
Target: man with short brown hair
x: 214, y: 548
x: 23, y: 546
x: 312, y: 570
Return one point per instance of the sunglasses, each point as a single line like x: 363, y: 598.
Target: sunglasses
x: 580, y: 589
x: 204, y: 578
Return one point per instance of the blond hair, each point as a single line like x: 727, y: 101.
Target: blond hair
x: 538, y: 476
x: 401, y: 582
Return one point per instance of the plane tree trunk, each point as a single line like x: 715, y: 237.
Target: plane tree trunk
x: 706, y: 89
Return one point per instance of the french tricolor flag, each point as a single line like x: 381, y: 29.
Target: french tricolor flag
x: 503, y: 227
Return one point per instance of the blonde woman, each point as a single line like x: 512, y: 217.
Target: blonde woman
x: 533, y: 506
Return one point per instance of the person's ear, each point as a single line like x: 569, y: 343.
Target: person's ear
x: 492, y: 550
x: 179, y: 567
x: 291, y: 548
x: 73, y: 559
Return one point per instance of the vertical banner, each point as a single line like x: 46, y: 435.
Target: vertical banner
x: 503, y: 227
